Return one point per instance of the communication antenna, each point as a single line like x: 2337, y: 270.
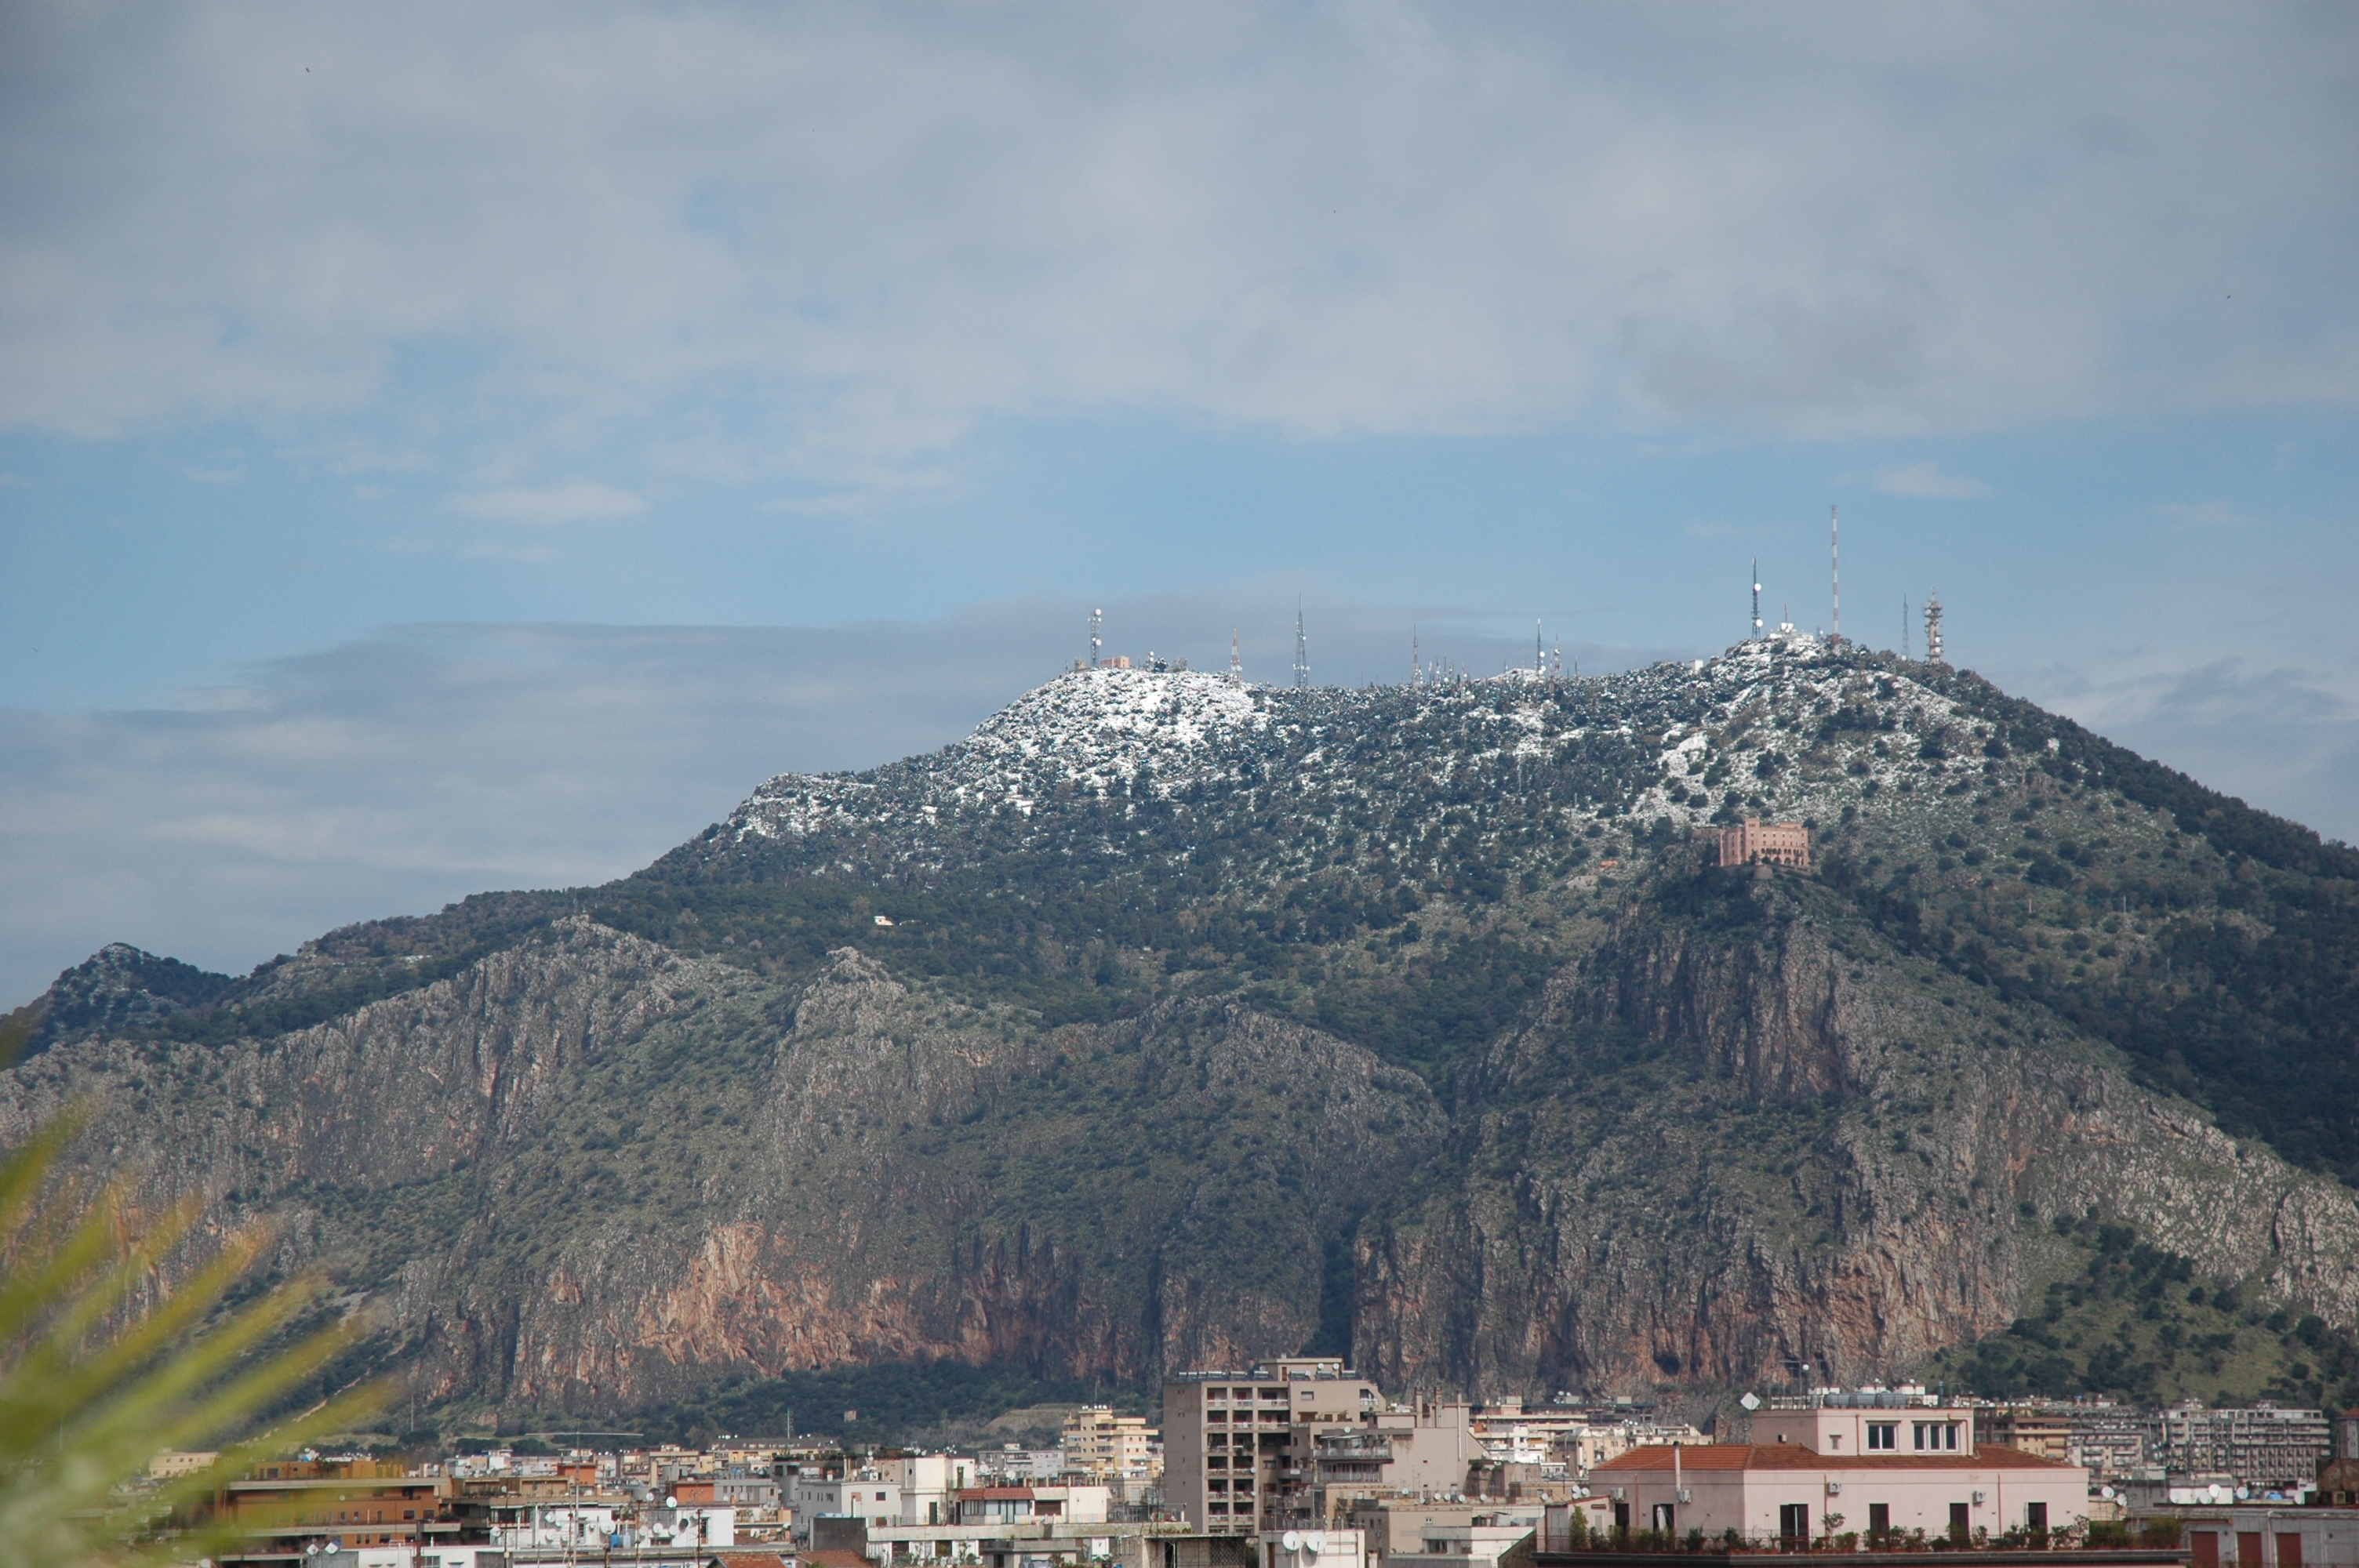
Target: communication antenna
x: 1540, y: 653
x: 1097, y: 617
x: 1301, y: 650
x: 1236, y: 664
x: 1904, y: 626
x: 1834, y: 569
x: 1932, y: 628
x: 1757, y: 596
x: 1416, y: 658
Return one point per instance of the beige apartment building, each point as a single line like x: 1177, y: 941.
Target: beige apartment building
x: 1236, y: 1444
x: 2034, y: 1429
x: 1109, y: 1447
x: 1296, y: 1444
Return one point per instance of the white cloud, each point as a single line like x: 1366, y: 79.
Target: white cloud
x: 544, y: 505
x: 1926, y: 480
x: 828, y: 243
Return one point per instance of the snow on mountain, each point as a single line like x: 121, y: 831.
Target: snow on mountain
x: 1782, y: 726
x: 1088, y: 730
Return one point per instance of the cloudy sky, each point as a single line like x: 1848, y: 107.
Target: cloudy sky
x: 452, y: 448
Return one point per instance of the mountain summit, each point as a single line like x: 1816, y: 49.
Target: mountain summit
x: 1165, y: 1022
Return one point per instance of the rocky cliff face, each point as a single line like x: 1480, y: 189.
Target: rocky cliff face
x: 1211, y: 1023
x: 595, y: 1173
x: 1724, y: 1150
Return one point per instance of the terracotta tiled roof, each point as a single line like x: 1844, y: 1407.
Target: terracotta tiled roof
x: 835, y: 1557
x: 1794, y: 1456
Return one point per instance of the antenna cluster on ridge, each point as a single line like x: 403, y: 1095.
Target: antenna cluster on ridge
x: 1932, y: 608
x: 1547, y: 662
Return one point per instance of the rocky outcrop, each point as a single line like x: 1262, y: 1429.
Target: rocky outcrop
x: 603, y: 1173
x: 1724, y: 1150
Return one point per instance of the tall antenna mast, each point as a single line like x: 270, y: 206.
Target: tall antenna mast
x: 1834, y: 569
x: 1540, y: 650
x: 1301, y: 650
x: 1757, y: 596
x: 1932, y: 628
x: 1904, y: 626
x: 1236, y: 664
x: 1096, y: 618
x: 1416, y: 658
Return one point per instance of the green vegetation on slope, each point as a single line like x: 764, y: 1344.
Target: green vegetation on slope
x: 896, y: 1403
x: 2215, y: 946
x: 2139, y: 1323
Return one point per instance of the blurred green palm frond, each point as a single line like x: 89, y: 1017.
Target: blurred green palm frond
x: 91, y: 1391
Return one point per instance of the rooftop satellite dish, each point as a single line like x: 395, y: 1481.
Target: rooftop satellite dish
x: 1751, y: 1403
x: 1316, y: 1541
x: 1291, y: 1541
x: 333, y: 1548
x: 672, y: 1502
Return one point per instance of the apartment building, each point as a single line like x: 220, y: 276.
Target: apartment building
x: 1108, y: 1447
x: 1426, y: 1451
x: 1236, y: 1445
x: 2263, y: 1447
x: 2044, y: 1430
x: 315, y: 1506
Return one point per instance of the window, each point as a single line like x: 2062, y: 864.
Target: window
x: 1881, y: 1434
x: 1794, y: 1522
x: 1961, y: 1530
x: 1879, y: 1520
x: 2034, y: 1518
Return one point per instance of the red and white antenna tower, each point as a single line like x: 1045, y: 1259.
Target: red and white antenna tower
x: 1834, y: 568
x: 1236, y: 664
